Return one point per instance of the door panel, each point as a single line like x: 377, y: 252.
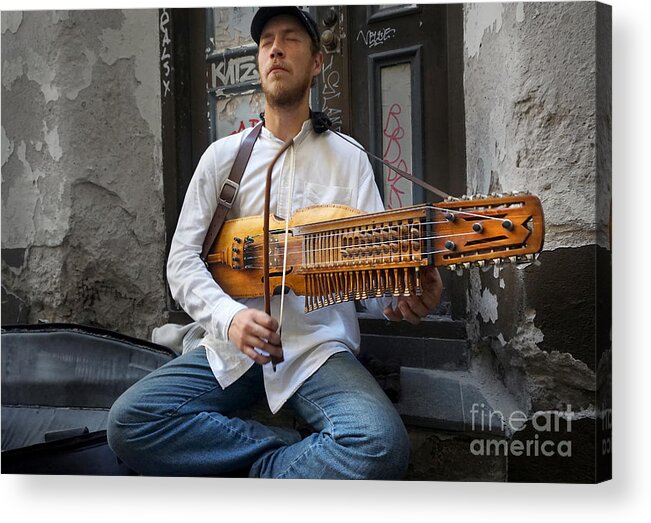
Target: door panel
x: 383, y: 37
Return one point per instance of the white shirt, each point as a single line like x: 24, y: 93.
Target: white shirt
x: 326, y: 169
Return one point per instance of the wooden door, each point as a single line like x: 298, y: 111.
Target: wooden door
x: 392, y: 78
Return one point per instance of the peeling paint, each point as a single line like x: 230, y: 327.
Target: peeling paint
x: 528, y: 335
x: 480, y: 18
x: 81, y: 169
x: 52, y: 141
x: 488, y: 306
x: 39, y: 71
x: 7, y: 146
x: 11, y: 71
x: 543, y: 379
x: 231, y: 27
x: 80, y: 78
x: 519, y: 13
x: 530, y: 122
x: 11, y: 21
x: 126, y: 42
x: 18, y: 205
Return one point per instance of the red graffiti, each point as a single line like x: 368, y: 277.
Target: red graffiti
x: 394, y: 133
x: 252, y: 122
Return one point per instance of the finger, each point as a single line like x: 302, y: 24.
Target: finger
x: 261, y: 343
x: 432, y: 288
x: 407, y: 313
x: 417, y: 305
x: 263, y: 319
x: 275, y: 351
x: 427, y: 273
x: 265, y: 334
x: 256, y: 356
x: 393, y: 315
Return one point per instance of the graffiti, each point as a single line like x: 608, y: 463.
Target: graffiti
x: 393, y: 134
x: 331, y: 91
x: 374, y: 38
x: 252, y: 122
x: 234, y: 71
x: 165, y: 56
x: 330, y: 82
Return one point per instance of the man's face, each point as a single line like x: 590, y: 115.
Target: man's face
x: 286, y: 62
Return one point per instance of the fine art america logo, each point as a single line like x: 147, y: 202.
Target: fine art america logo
x: 544, y: 423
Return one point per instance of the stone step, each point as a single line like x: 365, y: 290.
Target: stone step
x: 431, y: 326
x: 410, y: 351
x: 447, y: 401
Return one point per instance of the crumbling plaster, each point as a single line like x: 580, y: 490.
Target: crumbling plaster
x: 82, y: 192
x: 530, y: 98
x: 530, y: 109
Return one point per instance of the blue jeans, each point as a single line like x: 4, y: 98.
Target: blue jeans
x: 175, y: 422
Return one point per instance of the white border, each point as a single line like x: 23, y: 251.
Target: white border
x: 116, y: 500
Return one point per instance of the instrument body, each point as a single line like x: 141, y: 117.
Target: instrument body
x: 336, y: 253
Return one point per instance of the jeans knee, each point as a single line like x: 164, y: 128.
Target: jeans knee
x: 116, y: 428
x: 126, y: 428
x: 394, y: 453
x: 384, y: 450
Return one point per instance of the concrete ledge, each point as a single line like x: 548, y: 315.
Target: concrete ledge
x: 446, y: 400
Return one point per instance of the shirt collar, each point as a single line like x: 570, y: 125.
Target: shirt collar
x: 299, y: 138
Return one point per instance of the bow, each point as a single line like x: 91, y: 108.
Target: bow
x: 265, y: 237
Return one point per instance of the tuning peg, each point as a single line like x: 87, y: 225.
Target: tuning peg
x: 452, y: 267
x: 466, y: 265
x: 513, y: 259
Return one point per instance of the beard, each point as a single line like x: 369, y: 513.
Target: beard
x: 283, y: 92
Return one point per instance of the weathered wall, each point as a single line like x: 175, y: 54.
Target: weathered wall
x: 82, y: 199
x: 533, y: 123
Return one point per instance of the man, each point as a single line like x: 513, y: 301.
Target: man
x: 179, y: 419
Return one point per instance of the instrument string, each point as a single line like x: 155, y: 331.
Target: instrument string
x: 468, y: 213
x: 336, y: 248
x: 257, y: 248
x: 393, y: 228
x: 383, y: 228
x: 414, y: 224
x: 341, y: 264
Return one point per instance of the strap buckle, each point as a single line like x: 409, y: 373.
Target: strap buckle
x: 228, y: 202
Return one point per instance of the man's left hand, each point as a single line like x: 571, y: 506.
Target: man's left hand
x: 413, y: 308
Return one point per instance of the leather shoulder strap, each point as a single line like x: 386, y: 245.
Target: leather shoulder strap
x: 229, y: 190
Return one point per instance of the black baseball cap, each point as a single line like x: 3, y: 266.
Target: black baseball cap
x: 264, y: 14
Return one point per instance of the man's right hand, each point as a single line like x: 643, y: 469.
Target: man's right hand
x: 252, y: 328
